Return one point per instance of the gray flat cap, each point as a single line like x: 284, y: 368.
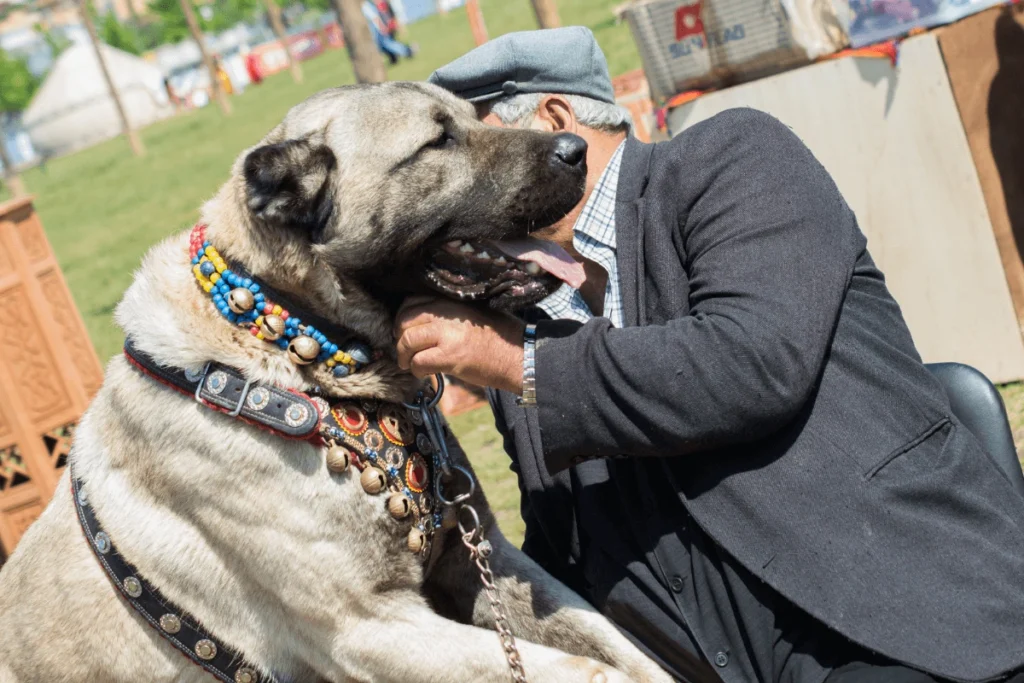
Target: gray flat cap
x: 566, y: 61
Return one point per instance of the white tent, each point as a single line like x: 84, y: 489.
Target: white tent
x: 73, y: 107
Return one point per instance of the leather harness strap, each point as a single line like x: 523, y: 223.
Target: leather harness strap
x: 223, y: 388
x: 169, y: 620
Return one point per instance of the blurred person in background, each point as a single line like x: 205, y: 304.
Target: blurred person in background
x: 383, y: 36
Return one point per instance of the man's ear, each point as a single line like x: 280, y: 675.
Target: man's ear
x: 287, y: 184
x: 555, y: 115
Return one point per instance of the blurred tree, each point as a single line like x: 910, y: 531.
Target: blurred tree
x: 224, y: 14
x: 17, y: 85
x: 195, y: 30
x: 85, y: 13
x: 118, y: 35
x: 547, y: 13
x: 274, y: 19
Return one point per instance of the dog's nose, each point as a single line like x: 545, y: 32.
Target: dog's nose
x: 570, y: 149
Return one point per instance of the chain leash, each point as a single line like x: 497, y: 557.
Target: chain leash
x: 480, y: 548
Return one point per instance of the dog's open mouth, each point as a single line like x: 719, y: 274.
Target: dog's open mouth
x: 509, y: 274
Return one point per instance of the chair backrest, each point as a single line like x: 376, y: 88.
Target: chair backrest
x: 976, y: 403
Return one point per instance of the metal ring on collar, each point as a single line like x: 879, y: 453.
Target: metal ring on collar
x: 420, y: 404
x: 462, y: 497
x: 469, y: 534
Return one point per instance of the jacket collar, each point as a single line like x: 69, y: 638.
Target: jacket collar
x: 629, y: 217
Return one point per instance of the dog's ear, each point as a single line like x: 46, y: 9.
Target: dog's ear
x: 287, y: 184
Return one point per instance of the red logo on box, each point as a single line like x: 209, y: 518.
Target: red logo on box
x: 688, y: 22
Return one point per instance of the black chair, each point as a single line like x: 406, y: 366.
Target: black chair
x: 978, y: 405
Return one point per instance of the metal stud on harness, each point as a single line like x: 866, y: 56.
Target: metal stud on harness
x: 472, y: 537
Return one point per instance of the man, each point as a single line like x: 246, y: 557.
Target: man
x: 732, y: 447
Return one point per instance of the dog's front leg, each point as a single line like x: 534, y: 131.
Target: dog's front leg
x: 409, y: 643
x: 539, y: 607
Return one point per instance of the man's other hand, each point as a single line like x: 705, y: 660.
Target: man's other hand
x: 476, y: 346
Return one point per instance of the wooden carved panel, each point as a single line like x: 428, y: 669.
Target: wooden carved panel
x: 27, y: 359
x: 58, y: 444
x: 13, y: 471
x: 71, y: 331
x: 30, y: 232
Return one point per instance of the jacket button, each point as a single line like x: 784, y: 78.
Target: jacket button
x: 676, y: 584
x: 722, y: 659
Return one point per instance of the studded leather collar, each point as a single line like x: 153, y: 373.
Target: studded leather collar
x: 169, y: 620
x: 389, y: 444
x: 225, y: 389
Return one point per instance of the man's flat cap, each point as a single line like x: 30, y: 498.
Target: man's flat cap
x: 566, y: 61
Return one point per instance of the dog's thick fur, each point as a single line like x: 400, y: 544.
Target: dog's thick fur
x: 294, y: 566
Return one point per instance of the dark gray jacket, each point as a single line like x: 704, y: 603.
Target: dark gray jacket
x: 767, y: 365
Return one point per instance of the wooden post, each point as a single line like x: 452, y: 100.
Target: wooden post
x: 126, y: 126
x: 197, y: 35
x: 547, y: 13
x: 367, y: 62
x: 476, y: 22
x: 274, y: 14
x: 11, y: 178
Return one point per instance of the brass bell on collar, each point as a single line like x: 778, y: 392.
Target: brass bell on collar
x: 373, y: 480
x: 303, y: 350
x: 399, y: 506
x: 272, y: 327
x: 337, y: 458
x: 416, y: 540
x: 241, y: 300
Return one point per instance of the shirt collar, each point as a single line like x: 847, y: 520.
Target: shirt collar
x: 597, y: 219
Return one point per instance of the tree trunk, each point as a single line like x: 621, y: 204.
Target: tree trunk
x: 133, y: 138
x: 367, y: 62
x: 274, y: 14
x: 11, y: 177
x: 197, y: 35
x: 547, y: 13
x: 476, y: 22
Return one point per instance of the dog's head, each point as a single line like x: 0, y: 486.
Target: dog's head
x: 399, y: 188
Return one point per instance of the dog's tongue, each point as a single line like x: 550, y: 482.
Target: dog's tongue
x: 548, y: 256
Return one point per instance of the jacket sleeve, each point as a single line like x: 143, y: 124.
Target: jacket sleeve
x: 769, y: 248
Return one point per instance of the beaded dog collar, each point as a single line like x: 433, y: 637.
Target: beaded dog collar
x: 241, y: 301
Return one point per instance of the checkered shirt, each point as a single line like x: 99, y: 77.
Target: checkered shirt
x: 594, y: 238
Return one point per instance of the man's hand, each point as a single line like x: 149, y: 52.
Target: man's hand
x: 478, y: 347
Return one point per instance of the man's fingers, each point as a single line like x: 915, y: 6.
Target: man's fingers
x: 428, y: 362
x: 411, y: 316
x: 415, y: 339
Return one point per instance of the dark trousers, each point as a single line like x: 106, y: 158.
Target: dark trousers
x: 880, y: 672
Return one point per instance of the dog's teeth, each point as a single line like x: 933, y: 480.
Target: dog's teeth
x: 466, y: 249
x: 500, y: 261
x: 455, y: 244
x: 532, y: 268
x: 484, y: 255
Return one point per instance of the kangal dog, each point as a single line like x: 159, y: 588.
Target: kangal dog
x: 260, y: 541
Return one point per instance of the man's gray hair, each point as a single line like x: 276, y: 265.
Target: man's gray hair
x: 608, y: 118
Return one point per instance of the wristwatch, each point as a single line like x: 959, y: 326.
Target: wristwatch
x: 529, y: 397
